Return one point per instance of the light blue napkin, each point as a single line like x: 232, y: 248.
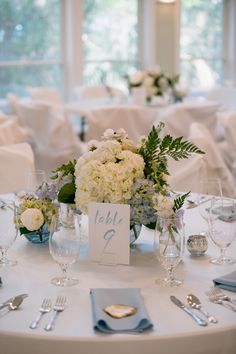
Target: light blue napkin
x: 101, y: 298
x: 227, y: 282
x: 226, y: 213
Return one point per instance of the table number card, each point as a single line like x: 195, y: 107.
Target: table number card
x: 109, y: 233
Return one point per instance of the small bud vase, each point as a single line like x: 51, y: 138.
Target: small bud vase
x: 134, y: 234
x: 38, y: 236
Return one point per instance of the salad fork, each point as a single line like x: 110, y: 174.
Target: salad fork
x: 216, y: 292
x: 58, y: 307
x: 44, y: 308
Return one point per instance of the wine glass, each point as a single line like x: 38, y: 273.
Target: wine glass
x: 35, y: 179
x: 64, y: 246
x: 8, y: 230
x: 169, y: 246
x: 210, y: 190
x: 223, y: 231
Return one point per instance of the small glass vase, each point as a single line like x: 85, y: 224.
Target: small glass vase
x: 169, y: 246
x: 37, y: 236
x: 134, y: 234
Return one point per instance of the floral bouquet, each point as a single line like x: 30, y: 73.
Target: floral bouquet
x: 157, y: 83
x: 115, y: 170
x: 36, y: 213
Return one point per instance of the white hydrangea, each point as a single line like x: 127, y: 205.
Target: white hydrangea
x: 32, y: 219
x: 107, y: 176
x: 163, y: 205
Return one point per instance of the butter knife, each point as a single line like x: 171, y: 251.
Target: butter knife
x: 196, y: 318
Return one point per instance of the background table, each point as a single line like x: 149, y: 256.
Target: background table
x: 173, y: 332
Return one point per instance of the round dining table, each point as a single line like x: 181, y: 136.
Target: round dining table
x: 173, y: 332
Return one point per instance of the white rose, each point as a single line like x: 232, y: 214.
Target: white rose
x: 32, y: 219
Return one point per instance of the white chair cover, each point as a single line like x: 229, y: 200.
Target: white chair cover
x: 226, y: 96
x: 185, y: 174
x: 11, y: 132
x: 136, y: 121
x: 216, y: 167
x: 179, y: 117
x: 16, y: 161
x: 53, y: 137
x: 228, y: 146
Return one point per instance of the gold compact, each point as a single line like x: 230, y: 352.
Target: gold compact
x: 120, y: 311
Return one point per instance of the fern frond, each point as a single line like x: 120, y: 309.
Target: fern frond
x: 178, y: 202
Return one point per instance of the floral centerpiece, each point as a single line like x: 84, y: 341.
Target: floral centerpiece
x: 115, y: 170
x: 36, y: 213
x: 157, y: 83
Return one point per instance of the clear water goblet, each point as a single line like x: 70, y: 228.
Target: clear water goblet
x: 223, y: 231
x: 8, y: 232
x: 64, y: 247
x: 210, y: 190
x: 169, y: 246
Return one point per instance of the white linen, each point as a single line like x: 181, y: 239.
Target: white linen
x: 179, y: 117
x: 16, y: 161
x: 11, y: 132
x: 174, y: 331
x: 45, y: 94
x: 135, y: 120
x: 96, y: 91
x: 216, y: 167
x: 226, y: 96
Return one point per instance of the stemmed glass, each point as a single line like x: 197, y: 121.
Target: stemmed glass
x: 64, y: 246
x: 223, y: 231
x: 35, y: 179
x: 8, y: 230
x: 210, y: 190
x: 169, y: 246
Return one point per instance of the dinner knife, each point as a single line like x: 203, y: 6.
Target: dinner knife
x: 7, y: 302
x: 196, y: 318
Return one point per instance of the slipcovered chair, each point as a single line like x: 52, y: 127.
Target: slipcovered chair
x: 216, y: 167
x: 10, y: 131
x: 179, y: 117
x: 16, y: 161
x: 54, y: 141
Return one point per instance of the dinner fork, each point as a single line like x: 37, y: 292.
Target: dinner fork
x: 44, y: 308
x: 216, y: 292
x: 58, y: 307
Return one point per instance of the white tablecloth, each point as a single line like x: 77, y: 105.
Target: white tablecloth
x: 174, y: 331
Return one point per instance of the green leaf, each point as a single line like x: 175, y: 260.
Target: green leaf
x: 67, y: 193
x: 24, y: 231
x: 178, y: 202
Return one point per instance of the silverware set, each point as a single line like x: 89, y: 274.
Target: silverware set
x: 217, y: 296
x: 194, y: 303
x: 45, y: 308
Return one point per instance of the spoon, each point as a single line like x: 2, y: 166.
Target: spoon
x: 195, y: 303
x: 14, y: 302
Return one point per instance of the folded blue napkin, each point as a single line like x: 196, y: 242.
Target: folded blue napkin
x: 226, y: 213
x: 227, y: 282
x: 101, y: 298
